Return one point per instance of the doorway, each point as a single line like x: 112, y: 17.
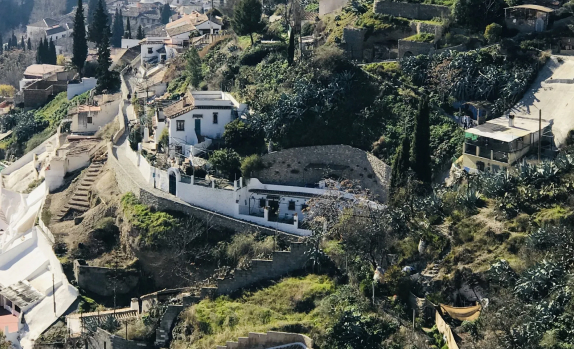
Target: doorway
x: 172, y: 183
x: 273, y: 209
x: 198, y: 127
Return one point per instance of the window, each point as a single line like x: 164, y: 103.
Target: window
x: 149, y: 50
x: 180, y: 125
x: 17, y: 308
x: 262, y: 202
x: 215, y: 117
x: 291, y: 206
x: 89, y: 119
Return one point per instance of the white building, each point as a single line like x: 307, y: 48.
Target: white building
x: 195, y: 20
x: 59, y: 32
x: 89, y: 119
x: 198, y: 118
x: 48, y: 28
x: 157, y: 49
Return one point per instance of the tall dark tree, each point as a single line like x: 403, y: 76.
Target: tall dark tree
x: 92, y: 6
x: 117, y: 30
x: 1, y: 45
x: 165, y: 13
x: 247, y: 18
x: 140, y: 33
x: 80, y: 44
x: 40, y: 52
x: 421, y: 144
x: 291, y: 47
x: 23, y: 43
x: 107, y: 80
x: 29, y: 44
x: 14, y: 43
x: 128, y: 33
x: 52, y: 56
x: 99, y: 25
x: 401, y: 164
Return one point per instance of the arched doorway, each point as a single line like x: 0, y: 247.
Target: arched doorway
x: 172, y: 183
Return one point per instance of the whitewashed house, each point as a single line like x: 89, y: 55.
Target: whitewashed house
x: 198, y: 118
x: 88, y: 119
x: 49, y: 28
x: 159, y: 50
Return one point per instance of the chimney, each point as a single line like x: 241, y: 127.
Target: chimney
x: 510, y: 120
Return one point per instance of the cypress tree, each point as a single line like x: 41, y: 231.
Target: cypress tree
x: 53, y: 57
x: 23, y: 43
x: 29, y: 44
x: 92, y: 6
x: 40, y: 52
x: 1, y: 45
x: 121, y: 25
x: 14, y: 40
x: 421, y: 144
x: 400, y: 165
x: 117, y: 30
x: 99, y: 25
x: 165, y: 13
x: 80, y: 44
x: 107, y: 80
x: 128, y: 34
x: 291, y: 47
x: 140, y: 34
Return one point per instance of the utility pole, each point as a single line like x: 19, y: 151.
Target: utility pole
x: 539, y: 133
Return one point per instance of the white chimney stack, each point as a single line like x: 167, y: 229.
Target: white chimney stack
x: 511, y: 120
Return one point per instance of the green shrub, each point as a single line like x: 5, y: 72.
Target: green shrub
x: 244, y: 247
x: 493, y: 32
x: 254, y: 55
x: 553, y: 216
x: 227, y: 162
x: 465, y: 230
x: 422, y: 37
x: 153, y: 227
x: 251, y: 165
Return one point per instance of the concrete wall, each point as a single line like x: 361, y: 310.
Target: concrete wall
x: 129, y: 43
x: 309, y: 165
x: 266, y: 340
x: 328, y: 6
x: 411, y: 10
x: 75, y: 89
x: 283, y: 262
x: 102, y: 281
x: 38, y: 93
x: 354, y: 39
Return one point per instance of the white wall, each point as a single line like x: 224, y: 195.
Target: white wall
x: 128, y: 43
x: 79, y: 88
x: 208, y: 27
x: 99, y: 119
x: 208, y: 128
x: 217, y: 200
x: 28, y: 157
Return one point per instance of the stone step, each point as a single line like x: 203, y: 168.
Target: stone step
x: 77, y: 197
x: 79, y: 208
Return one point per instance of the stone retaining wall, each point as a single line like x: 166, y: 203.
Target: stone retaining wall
x: 104, y: 340
x: 266, y: 340
x: 102, y: 281
x: 411, y: 10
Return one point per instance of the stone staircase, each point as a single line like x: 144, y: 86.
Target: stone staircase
x: 80, y: 200
x: 163, y: 332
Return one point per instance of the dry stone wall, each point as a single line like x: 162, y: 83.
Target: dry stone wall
x: 101, y: 280
x: 411, y: 10
x: 309, y: 165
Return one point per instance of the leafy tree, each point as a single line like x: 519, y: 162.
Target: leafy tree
x: 421, y: 144
x: 247, y: 18
x: 140, y: 33
x: 193, y: 67
x: 401, y: 164
x: 80, y: 44
x: 99, y: 27
x: 354, y: 330
x: 128, y: 33
x: 29, y: 45
x: 61, y: 60
x: 7, y: 90
x: 165, y: 13
x: 493, y: 32
x: 477, y: 14
x: 107, y: 80
x: 117, y: 29
x: 227, y: 162
x: 244, y: 137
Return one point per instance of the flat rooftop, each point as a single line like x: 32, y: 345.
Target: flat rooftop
x: 500, y: 130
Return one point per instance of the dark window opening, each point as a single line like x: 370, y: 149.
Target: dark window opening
x: 215, y: 118
x: 261, y: 202
x: 180, y: 125
x: 149, y: 50
x: 291, y: 206
x: 89, y: 119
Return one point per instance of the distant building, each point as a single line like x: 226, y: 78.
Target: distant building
x: 159, y: 50
x: 500, y: 143
x: 195, y: 20
x: 42, y: 82
x: 89, y: 118
x: 528, y: 18
x: 329, y: 6
x: 199, y: 117
x: 48, y: 28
